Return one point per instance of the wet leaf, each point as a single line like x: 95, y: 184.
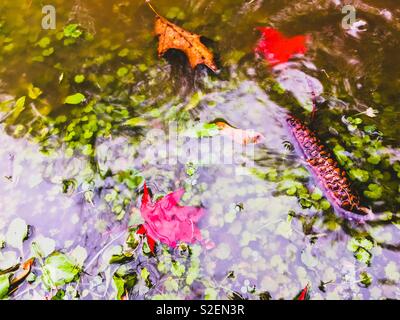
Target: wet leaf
x: 18, y: 107
x: 4, y: 285
x: 76, y: 98
x: 167, y: 221
x: 124, y: 280
x: 72, y: 31
x: 79, y: 255
x: 26, y: 267
x: 43, y: 246
x: 177, y: 269
x: 359, y: 174
x: 79, y: 78
x: 303, y: 294
x: 44, y: 42
x: 173, y: 37
x: 34, y: 92
x: 276, y: 48
x: 8, y: 261
x: 202, y: 130
x: 123, y: 71
x: 238, y: 135
x: 17, y: 233
x: 365, y: 279
x: 374, y: 191
x: 59, y: 269
x: 210, y: 294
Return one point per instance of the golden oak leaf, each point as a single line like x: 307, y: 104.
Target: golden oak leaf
x: 173, y: 37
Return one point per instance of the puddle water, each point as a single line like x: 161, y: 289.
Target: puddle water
x: 75, y: 172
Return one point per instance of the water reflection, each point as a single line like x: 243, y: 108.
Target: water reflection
x: 269, y: 229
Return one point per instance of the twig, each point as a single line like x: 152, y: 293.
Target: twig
x: 36, y: 111
x: 103, y: 249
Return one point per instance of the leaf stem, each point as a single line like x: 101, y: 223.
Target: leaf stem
x: 152, y: 8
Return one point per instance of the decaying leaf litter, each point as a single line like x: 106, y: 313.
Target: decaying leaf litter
x: 287, y: 230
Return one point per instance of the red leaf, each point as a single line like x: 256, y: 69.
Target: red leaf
x: 168, y: 222
x: 151, y: 242
x: 304, y: 294
x: 276, y: 48
x: 141, y: 230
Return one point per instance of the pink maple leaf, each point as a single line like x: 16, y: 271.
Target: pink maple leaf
x: 168, y: 222
x: 276, y: 48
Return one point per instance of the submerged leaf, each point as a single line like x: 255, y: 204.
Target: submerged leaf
x: 59, y: 269
x: 238, y: 135
x: 76, y: 98
x: 167, y: 221
x: 276, y: 48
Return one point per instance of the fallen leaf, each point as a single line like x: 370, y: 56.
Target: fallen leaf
x: 276, y: 48
x: 168, y: 222
x: 238, y: 135
x: 150, y: 241
x: 173, y: 37
x: 303, y: 294
x: 59, y: 269
x: 21, y: 276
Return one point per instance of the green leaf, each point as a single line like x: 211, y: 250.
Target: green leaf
x: 374, y: 191
x: 76, y: 98
x: 59, y: 269
x: 144, y: 273
x: 4, y: 285
x: 365, y: 279
x: 72, y: 31
x: 79, y: 255
x: 210, y: 294
x: 177, y: 269
x: 374, y: 159
x: 202, y: 130
x: 34, y: 92
x: 123, y: 53
x: 124, y: 281
x: 119, y: 284
x: 47, y: 52
x: 59, y: 295
x: 317, y: 194
x: 44, y: 42
x: 43, y: 246
x: 19, y: 107
x: 363, y: 256
x: 135, y: 122
x: 358, y: 174
x: 123, y: 71
x: 171, y: 285
x: 79, y: 78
